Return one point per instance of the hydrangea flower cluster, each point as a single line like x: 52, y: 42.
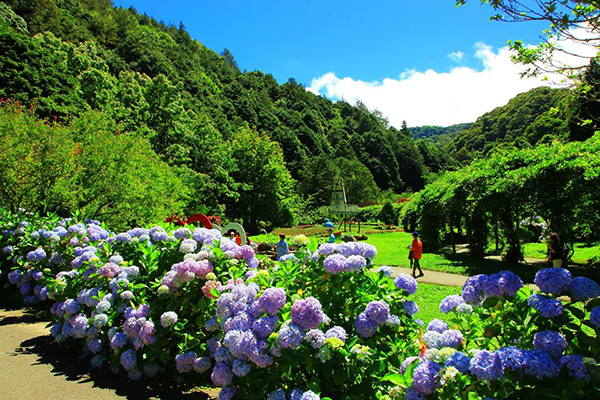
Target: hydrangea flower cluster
x: 185, y: 272
x: 480, y: 287
x: 553, y: 280
x: 406, y: 282
x: 376, y: 313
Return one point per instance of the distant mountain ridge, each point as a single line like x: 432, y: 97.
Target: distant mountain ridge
x: 438, y: 135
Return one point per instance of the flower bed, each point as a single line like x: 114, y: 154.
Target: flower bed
x: 195, y: 307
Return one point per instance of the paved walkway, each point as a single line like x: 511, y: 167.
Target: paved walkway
x: 435, y: 277
x: 32, y: 366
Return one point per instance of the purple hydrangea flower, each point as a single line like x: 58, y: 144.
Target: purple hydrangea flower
x: 240, y: 368
x: 584, y: 289
x: 364, y: 326
x: 227, y: 393
x: 221, y: 375
x: 307, y: 313
x: 378, y: 312
x: 407, y: 361
x: 94, y: 345
x: 472, y: 290
x: 450, y: 303
x: 437, y: 325
x: 278, y: 394
x: 549, y: 308
x: 336, y: 332
x: 185, y: 362
x: 315, y: 338
x: 405, y: 282
x: 263, y: 327
x: 551, y: 342
x: 576, y: 367
x: 452, y: 338
x: 71, y: 307
x: 272, y: 300
x: 334, y: 264
x: 129, y: 359
x: 486, y: 366
x: 36, y: 255
x: 553, y: 280
x: 118, y: 341
x: 202, y: 364
x: 355, y: 263
x: 425, y: 378
x: 460, y: 361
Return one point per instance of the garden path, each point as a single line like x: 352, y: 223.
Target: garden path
x: 33, y: 367
x: 435, y: 277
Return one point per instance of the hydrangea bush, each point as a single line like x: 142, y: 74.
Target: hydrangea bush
x: 503, y: 341
x: 189, y: 304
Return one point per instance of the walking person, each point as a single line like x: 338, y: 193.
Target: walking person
x: 416, y: 249
x: 555, y: 251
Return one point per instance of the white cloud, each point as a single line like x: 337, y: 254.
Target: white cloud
x: 436, y: 98
x: 456, y: 56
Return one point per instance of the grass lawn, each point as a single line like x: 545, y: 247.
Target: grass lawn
x: 428, y: 298
x: 583, y: 252
x: 392, y: 250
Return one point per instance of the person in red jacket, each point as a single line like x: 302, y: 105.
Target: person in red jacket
x: 416, y: 248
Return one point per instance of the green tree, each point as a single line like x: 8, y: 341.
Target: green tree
x: 388, y: 215
x: 265, y: 184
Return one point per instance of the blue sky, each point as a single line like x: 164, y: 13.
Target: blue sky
x: 382, y: 52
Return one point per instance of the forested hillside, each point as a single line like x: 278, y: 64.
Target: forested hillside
x: 438, y: 135
x: 154, y: 80
x: 532, y: 117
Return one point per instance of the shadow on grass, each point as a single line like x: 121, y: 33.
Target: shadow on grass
x: 69, y: 362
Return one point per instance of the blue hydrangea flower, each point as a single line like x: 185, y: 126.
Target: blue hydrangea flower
x: 227, y: 393
x: 315, y: 338
x: 512, y: 357
x: 450, y: 303
x: 310, y: 395
x: 278, y: 394
x: 240, y: 368
x: 263, y: 327
x: 460, y: 361
x: 355, y: 263
x: 575, y: 366
x: 129, y: 359
x: 202, y: 364
x: 486, y: 366
x: 595, y: 317
x: 406, y: 282
x: 553, y: 280
x: 472, y: 290
x: 290, y: 336
x: 410, y: 307
x: 387, y: 271
x: 221, y: 374
x: 551, y: 342
x: 539, y: 364
x: 501, y: 284
x: 584, y: 289
x: 36, y: 255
